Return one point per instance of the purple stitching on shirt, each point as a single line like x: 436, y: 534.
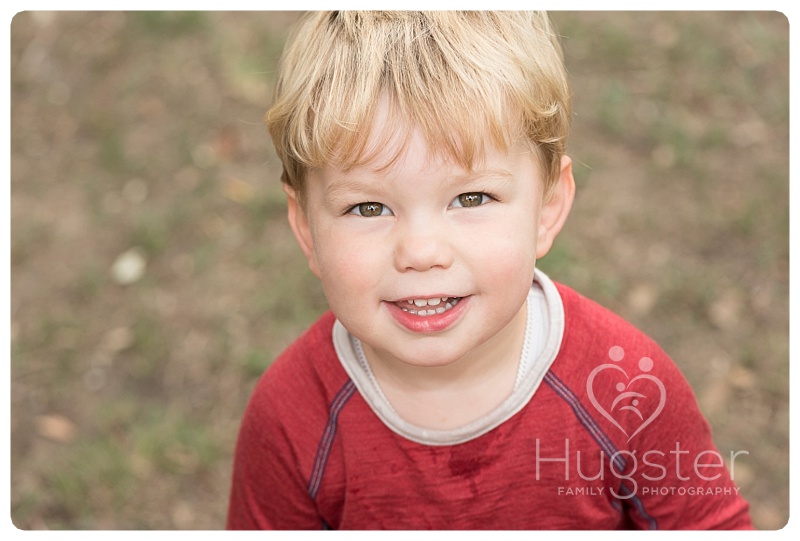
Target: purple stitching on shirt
x: 324, y: 448
x: 597, y: 434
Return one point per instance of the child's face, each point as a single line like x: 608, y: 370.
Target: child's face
x: 463, y: 244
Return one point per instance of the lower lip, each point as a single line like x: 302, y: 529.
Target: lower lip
x: 428, y: 324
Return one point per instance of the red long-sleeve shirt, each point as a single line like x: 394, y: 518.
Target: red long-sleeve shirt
x: 604, y: 443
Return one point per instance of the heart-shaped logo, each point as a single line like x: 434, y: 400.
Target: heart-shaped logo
x: 628, y: 397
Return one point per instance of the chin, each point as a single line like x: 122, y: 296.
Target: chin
x: 431, y: 359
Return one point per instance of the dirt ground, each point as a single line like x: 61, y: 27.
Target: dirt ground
x: 153, y: 276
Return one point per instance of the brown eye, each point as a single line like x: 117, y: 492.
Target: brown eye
x: 370, y: 209
x: 471, y: 199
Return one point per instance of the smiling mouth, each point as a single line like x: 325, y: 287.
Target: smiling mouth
x: 428, y: 307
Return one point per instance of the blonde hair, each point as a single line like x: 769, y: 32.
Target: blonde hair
x: 462, y: 78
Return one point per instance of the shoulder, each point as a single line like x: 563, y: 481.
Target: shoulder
x: 301, y: 383
x: 593, y: 334
x: 310, y: 357
x: 592, y: 323
x: 279, y: 434
x: 619, y: 372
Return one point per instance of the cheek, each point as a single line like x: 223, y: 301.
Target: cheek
x: 508, y: 242
x: 511, y: 271
x: 511, y: 265
x: 346, y: 266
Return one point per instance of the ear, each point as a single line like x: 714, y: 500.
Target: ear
x: 298, y: 221
x: 555, y: 208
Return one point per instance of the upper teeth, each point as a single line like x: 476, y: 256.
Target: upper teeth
x: 442, y: 305
x: 425, y: 302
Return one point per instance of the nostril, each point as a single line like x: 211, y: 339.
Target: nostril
x: 422, y: 252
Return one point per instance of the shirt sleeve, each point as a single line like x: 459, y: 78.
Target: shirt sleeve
x: 675, y: 477
x: 268, y: 490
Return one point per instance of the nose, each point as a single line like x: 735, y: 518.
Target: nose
x: 423, y: 245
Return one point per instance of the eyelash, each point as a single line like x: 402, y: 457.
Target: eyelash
x: 484, y: 198
x: 360, y: 208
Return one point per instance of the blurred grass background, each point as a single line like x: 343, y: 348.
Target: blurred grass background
x: 153, y: 276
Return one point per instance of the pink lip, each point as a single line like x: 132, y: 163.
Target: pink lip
x: 428, y: 324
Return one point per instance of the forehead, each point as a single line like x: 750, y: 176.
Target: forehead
x: 392, y: 139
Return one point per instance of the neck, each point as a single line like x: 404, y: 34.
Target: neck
x: 459, y: 392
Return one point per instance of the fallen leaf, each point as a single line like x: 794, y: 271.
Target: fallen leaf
x: 237, y: 190
x: 642, y: 298
x: 56, y: 427
x: 742, y: 378
x: 725, y: 311
x: 118, y: 339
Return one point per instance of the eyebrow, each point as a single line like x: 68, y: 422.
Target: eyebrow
x: 484, y: 174
x: 346, y: 186
x: 496, y: 178
x: 351, y: 185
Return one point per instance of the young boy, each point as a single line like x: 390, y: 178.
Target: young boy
x: 452, y: 385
